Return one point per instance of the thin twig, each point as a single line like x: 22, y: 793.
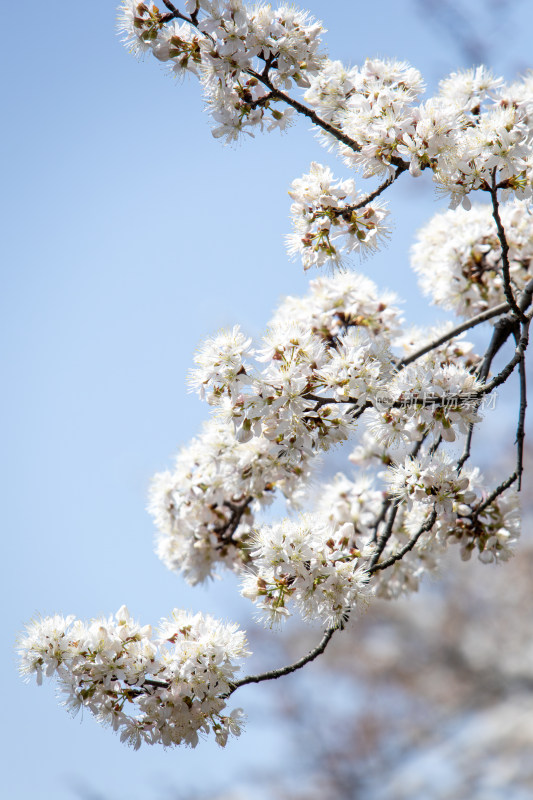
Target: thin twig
x: 502, y: 330
x: 435, y: 446
x: 470, y: 397
x: 337, y: 134
x: 381, y: 188
x: 385, y: 505
x: 471, y: 323
x: 174, y: 14
x: 385, y: 536
x: 226, y: 531
x: 508, y: 369
x: 520, y: 430
x: 506, y: 270
x: 466, y: 452
x: 493, y: 495
x: 278, y: 673
x: 387, y: 500
x: 428, y: 524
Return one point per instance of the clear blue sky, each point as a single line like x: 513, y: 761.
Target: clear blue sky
x: 129, y: 233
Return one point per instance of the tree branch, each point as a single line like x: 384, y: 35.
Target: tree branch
x: 493, y: 495
x: 226, y: 531
x: 372, y: 196
x: 503, y: 329
x: 508, y: 369
x: 466, y: 452
x: 385, y: 536
x: 173, y: 13
x: 520, y: 431
x: 464, y: 326
x: 337, y: 134
x: 278, y: 673
x: 428, y: 524
x: 506, y: 271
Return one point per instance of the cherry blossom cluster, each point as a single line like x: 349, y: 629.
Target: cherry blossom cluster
x: 431, y: 480
x: 325, y: 564
x: 495, y: 137
x: 310, y: 562
x: 330, y: 218
x: 475, y: 134
x: 346, y: 299
x: 204, y: 508
x: 424, y: 397
x: 458, y: 256
x: 328, y: 353
x: 413, y: 547
x: 229, y: 46
x: 474, y: 128
x: 304, y: 398
x: 166, y: 689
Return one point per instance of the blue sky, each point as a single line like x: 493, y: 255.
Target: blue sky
x: 129, y: 233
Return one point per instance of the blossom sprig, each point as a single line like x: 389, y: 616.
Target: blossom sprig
x: 249, y: 57
x: 310, y: 562
x: 411, y: 537
x: 431, y: 480
x: 371, y: 105
x: 166, y: 689
x: 330, y: 219
x: 416, y: 414
x: 231, y: 46
x: 474, y: 128
x: 305, y: 396
x: 407, y: 412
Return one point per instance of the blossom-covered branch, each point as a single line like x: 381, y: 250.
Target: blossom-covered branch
x: 335, y: 365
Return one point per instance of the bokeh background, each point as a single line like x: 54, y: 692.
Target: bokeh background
x: 129, y: 234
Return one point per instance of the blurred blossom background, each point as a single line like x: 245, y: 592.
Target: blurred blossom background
x: 129, y: 234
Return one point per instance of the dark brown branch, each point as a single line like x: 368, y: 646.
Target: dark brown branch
x: 466, y: 452
x: 337, y: 134
x: 372, y: 196
x: 278, y: 673
x: 524, y: 301
x: 385, y: 536
x: 520, y: 430
x: 435, y: 446
x: 471, y: 323
x: 493, y: 495
x: 506, y: 270
x: 385, y: 505
x: 157, y: 684
x: 509, y: 368
x: 173, y: 13
x: 503, y: 329
x: 226, y: 531
x: 428, y: 524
